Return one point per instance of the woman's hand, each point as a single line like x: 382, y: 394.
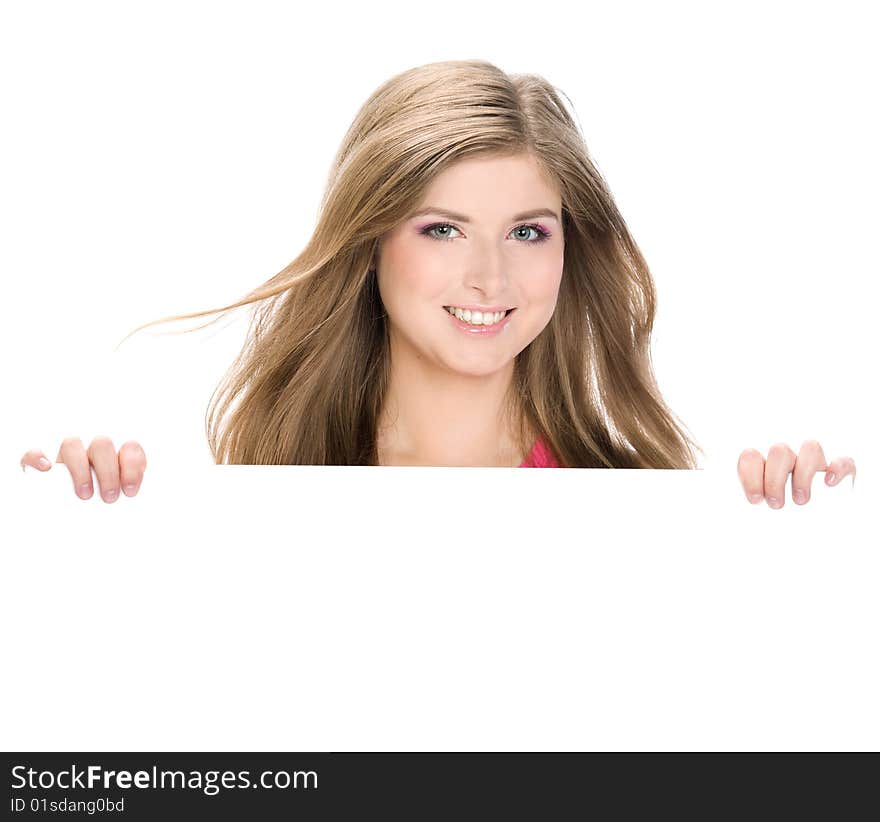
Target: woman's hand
x: 125, y: 470
x: 762, y: 480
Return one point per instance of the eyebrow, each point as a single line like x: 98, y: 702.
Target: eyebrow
x: 461, y: 218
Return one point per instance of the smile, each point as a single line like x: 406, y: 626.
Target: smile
x: 476, y: 326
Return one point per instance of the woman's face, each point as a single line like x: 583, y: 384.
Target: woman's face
x: 492, y: 254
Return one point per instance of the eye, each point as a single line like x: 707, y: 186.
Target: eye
x: 431, y: 228
x: 541, y: 233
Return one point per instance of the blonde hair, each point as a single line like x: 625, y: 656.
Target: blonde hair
x: 308, y: 386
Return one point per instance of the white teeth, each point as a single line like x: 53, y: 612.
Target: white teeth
x: 476, y: 317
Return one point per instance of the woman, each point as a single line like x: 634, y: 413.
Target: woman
x: 471, y: 296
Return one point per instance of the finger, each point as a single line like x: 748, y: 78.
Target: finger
x: 780, y: 462
x: 838, y: 468
x: 73, y: 454
x: 810, y: 459
x: 35, y: 459
x: 750, y: 469
x: 132, y: 464
x: 102, y: 454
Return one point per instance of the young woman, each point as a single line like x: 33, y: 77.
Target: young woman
x: 471, y: 296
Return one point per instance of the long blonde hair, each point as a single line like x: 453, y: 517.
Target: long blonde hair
x: 308, y: 386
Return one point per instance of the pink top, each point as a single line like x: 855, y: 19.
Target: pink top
x: 540, y: 457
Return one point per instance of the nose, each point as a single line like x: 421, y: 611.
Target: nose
x: 487, y: 270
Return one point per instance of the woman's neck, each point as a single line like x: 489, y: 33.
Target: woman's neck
x: 434, y: 417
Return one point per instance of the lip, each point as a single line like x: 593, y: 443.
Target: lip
x: 481, y: 331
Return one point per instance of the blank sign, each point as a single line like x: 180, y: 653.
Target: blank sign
x: 336, y: 608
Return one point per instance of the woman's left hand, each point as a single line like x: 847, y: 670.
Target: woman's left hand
x: 766, y: 480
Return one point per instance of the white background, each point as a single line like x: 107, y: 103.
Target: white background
x: 166, y: 158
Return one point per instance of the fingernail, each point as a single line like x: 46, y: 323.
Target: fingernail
x: 44, y: 463
x: 129, y: 489
x: 772, y: 502
x: 800, y: 496
x: 84, y: 491
x: 830, y: 478
x: 756, y: 498
x: 110, y: 495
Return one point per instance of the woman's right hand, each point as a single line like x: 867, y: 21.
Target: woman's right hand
x: 124, y: 470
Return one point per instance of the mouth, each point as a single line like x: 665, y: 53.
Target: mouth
x: 506, y: 313
x: 480, y: 329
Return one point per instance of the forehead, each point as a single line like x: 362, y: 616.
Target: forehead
x: 482, y: 184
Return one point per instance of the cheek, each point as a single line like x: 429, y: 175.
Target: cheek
x: 540, y: 293
x: 544, y: 280
x: 407, y: 272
